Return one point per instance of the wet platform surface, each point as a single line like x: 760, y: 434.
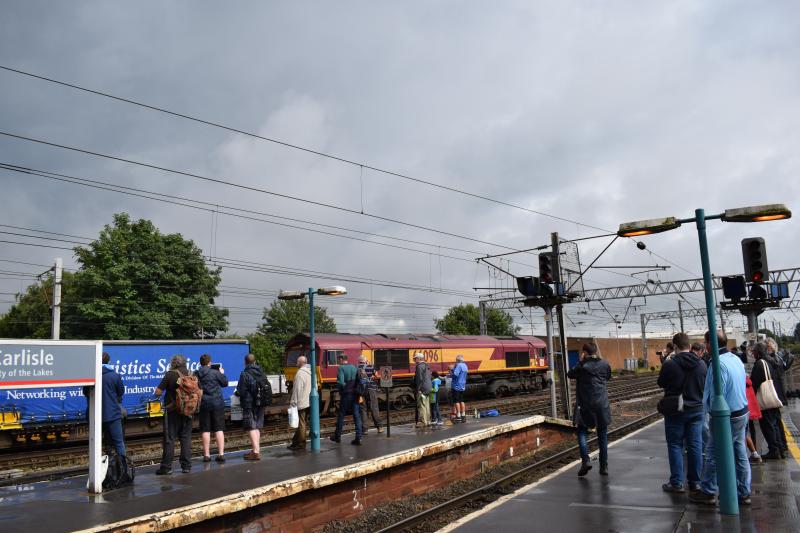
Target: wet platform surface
x: 66, y: 506
x: 630, y: 499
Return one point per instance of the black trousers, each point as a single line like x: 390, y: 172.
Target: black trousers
x: 177, y: 427
x: 781, y: 433
x: 770, y: 428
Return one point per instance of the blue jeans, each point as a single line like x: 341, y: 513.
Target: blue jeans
x: 680, y: 428
x: 436, y: 416
x: 115, y: 434
x: 602, y: 443
x: 738, y: 432
x: 349, y: 404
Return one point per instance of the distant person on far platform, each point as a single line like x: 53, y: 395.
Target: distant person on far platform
x: 348, y: 400
x: 458, y: 385
x: 212, y: 407
x: 251, y: 392
x: 422, y: 388
x: 301, y: 389
x: 592, y: 408
x: 436, y: 382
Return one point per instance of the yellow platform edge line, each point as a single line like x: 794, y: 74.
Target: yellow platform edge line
x: 793, y: 448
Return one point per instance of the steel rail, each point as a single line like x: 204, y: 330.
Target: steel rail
x: 458, y: 501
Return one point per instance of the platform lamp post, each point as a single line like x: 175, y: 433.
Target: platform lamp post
x: 720, y: 411
x: 313, y: 398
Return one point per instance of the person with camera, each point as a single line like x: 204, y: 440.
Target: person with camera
x: 212, y: 407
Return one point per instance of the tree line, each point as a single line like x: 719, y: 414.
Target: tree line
x: 134, y: 282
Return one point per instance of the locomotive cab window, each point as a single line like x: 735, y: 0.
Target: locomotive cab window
x: 332, y: 356
x: 392, y: 358
x: 517, y: 359
x: 293, y: 355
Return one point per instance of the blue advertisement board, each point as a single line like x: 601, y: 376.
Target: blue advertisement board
x: 141, y: 366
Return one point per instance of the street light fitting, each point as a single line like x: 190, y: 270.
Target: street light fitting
x: 291, y: 295
x: 336, y: 290
x: 647, y: 227
x: 759, y: 213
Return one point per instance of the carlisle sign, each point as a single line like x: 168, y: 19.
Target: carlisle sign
x: 25, y: 364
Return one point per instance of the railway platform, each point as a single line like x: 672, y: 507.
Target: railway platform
x: 286, y: 490
x: 630, y: 499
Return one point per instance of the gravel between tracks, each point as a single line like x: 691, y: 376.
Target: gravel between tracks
x: 388, y: 514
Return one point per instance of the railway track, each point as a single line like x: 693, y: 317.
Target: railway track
x: 55, y: 463
x: 499, y: 487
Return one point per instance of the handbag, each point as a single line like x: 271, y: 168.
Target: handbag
x: 767, y: 395
x: 294, y: 417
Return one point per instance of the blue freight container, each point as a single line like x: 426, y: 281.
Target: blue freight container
x: 141, y: 364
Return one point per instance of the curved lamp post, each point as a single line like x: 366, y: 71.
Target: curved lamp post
x: 720, y: 411
x: 336, y: 290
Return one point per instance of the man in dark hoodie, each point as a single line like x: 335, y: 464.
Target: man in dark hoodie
x: 592, y: 406
x: 684, y: 374
x: 212, y: 407
x: 252, y: 414
x: 113, y: 390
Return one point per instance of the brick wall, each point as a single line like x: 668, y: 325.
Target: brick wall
x: 313, y: 509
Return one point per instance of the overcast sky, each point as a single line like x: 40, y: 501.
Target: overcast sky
x: 598, y: 114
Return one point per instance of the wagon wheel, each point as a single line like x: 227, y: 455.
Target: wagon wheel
x: 502, y: 391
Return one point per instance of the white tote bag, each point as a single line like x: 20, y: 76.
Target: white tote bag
x: 767, y: 396
x: 294, y: 417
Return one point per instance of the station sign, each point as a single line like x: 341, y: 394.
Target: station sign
x: 386, y: 377
x: 33, y: 364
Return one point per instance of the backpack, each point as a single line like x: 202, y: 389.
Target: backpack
x: 120, y: 472
x: 261, y: 391
x: 188, y: 395
x: 362, y: 382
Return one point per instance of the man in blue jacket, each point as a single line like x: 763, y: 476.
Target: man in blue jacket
x: 113, y: 390
x: 733, y: 388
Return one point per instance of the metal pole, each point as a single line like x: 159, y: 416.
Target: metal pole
x: 563, y: 366
x: 644, y: 340
x: 388, y: 417
x: 720, y: 411
x: 313, y: 397
x: 548, y: 322
x: 482, y: 309
x: 680, y: 314
x: 56, y: 329
x: 752, y: 327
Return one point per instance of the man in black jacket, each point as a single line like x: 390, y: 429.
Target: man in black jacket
x: 176, y: 425
x: 592, y: 406
x: 212, y: 407
x: 252, y: 413
x: 683, y: 375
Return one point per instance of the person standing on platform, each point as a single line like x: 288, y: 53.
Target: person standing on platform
x: 458, y: 385
x: 301, y: 389
x: 177, y: 426
x: 247, y: 390
x: 771, y: 427
x: 783, y: 365
x: 733, y: 389
x: 436, y: 415
x: 422, y: 388
x: 592, y: 409
x: 212, y: 407
x: 113, y: 413
x: 371, y: 396
x: 683, y: 375
x: 348, y: 400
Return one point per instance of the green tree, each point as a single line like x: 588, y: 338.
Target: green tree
x: 133, y: 283
x: 465, y: 319
x: 31, y: 316
x: 281, y: 321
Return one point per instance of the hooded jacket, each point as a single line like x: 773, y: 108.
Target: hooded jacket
x: 684, y: 366
x: 211, y: 381
x: 113, y: 390
x: 591, y: 376
x: 246, y: 388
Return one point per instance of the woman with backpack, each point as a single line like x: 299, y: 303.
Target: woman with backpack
x: 212, y: 407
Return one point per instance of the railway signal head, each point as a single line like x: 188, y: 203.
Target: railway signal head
x: 754, y: 256
x: 528, y: 286
x: 546, y: 267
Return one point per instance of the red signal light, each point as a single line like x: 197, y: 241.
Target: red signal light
x: 758, y: 276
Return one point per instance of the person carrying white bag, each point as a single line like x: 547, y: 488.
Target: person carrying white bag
x: 301, y: 389
x: 767, y: 378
